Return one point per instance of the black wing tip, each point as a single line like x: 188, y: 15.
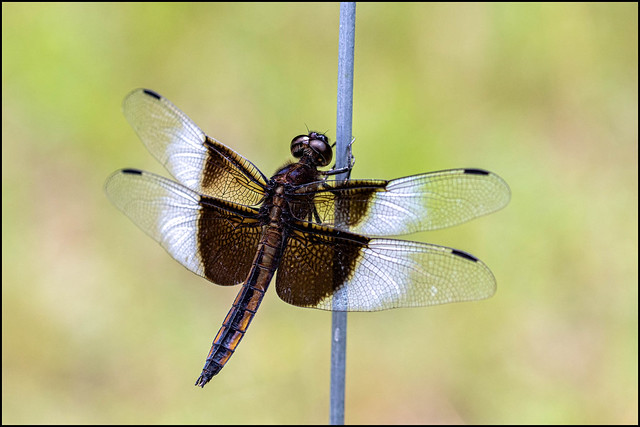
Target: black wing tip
x: 464, y: 255
x: 475, y: 171
x: 131, y: 171
x: 152, y: 93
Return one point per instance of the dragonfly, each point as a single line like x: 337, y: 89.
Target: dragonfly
x: 327, y: 238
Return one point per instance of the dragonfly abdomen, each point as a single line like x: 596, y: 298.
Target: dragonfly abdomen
x: 248, y: 300
x: 232, y: 331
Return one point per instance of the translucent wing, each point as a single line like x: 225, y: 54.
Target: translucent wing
x: 346, y: 272
x: 406, y: 205
x: 199, y: 162
x: 213, y: 238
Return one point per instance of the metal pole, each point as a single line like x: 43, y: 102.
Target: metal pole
x: 346, y: 43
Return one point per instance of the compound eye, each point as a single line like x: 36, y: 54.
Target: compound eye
x: 297, y: 145
x: 323, y: 150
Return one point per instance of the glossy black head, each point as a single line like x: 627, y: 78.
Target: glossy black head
x: 315, y: 147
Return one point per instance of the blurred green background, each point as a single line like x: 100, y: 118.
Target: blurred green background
x: 100, y: 325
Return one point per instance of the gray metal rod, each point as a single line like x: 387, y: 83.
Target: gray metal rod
x: 346, y: 44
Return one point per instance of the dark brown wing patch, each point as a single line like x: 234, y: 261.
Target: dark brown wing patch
x: 227, y: 241
x: 306, y: 274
